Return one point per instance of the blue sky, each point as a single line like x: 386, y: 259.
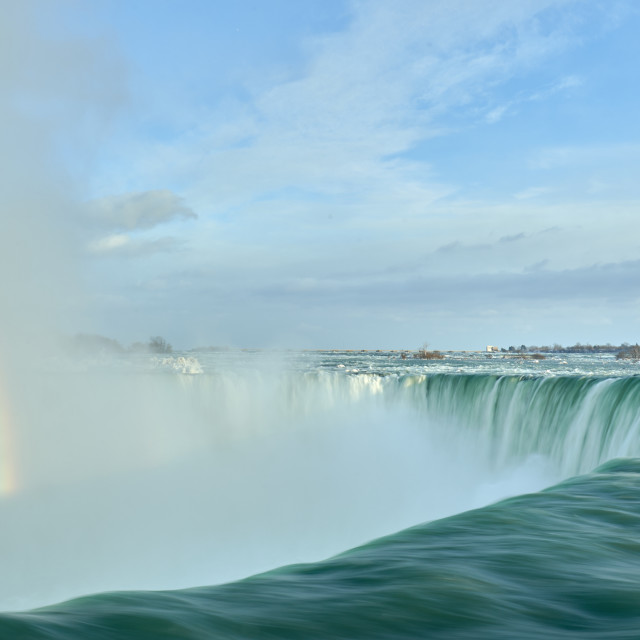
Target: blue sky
x: 357, y: 174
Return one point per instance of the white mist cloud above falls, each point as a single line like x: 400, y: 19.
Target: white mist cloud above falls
x: 51, y: 102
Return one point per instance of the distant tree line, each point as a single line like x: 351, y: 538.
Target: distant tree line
x: 100, y: 344
x: 576, y: 348
x: 624, y: 351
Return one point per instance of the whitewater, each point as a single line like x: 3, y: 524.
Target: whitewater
x: 320, y: 494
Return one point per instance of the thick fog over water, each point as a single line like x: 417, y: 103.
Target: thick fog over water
x: 155, y: 472
x: 134, y: 475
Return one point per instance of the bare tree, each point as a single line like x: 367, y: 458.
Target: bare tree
x: 425, y: 354
x: 158, y: 344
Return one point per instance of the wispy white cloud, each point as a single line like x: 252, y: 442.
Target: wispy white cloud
x: 368, y: 95
x: 552, y: 158
x: 124, y: 245
x: 496, y: 114
x: 109, y: 243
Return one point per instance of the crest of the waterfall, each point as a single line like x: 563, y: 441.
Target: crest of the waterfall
x: 577, y: 422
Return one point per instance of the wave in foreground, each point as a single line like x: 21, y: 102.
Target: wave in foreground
x: 561, y: 563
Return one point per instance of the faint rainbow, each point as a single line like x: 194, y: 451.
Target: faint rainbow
x: 8, y: 474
